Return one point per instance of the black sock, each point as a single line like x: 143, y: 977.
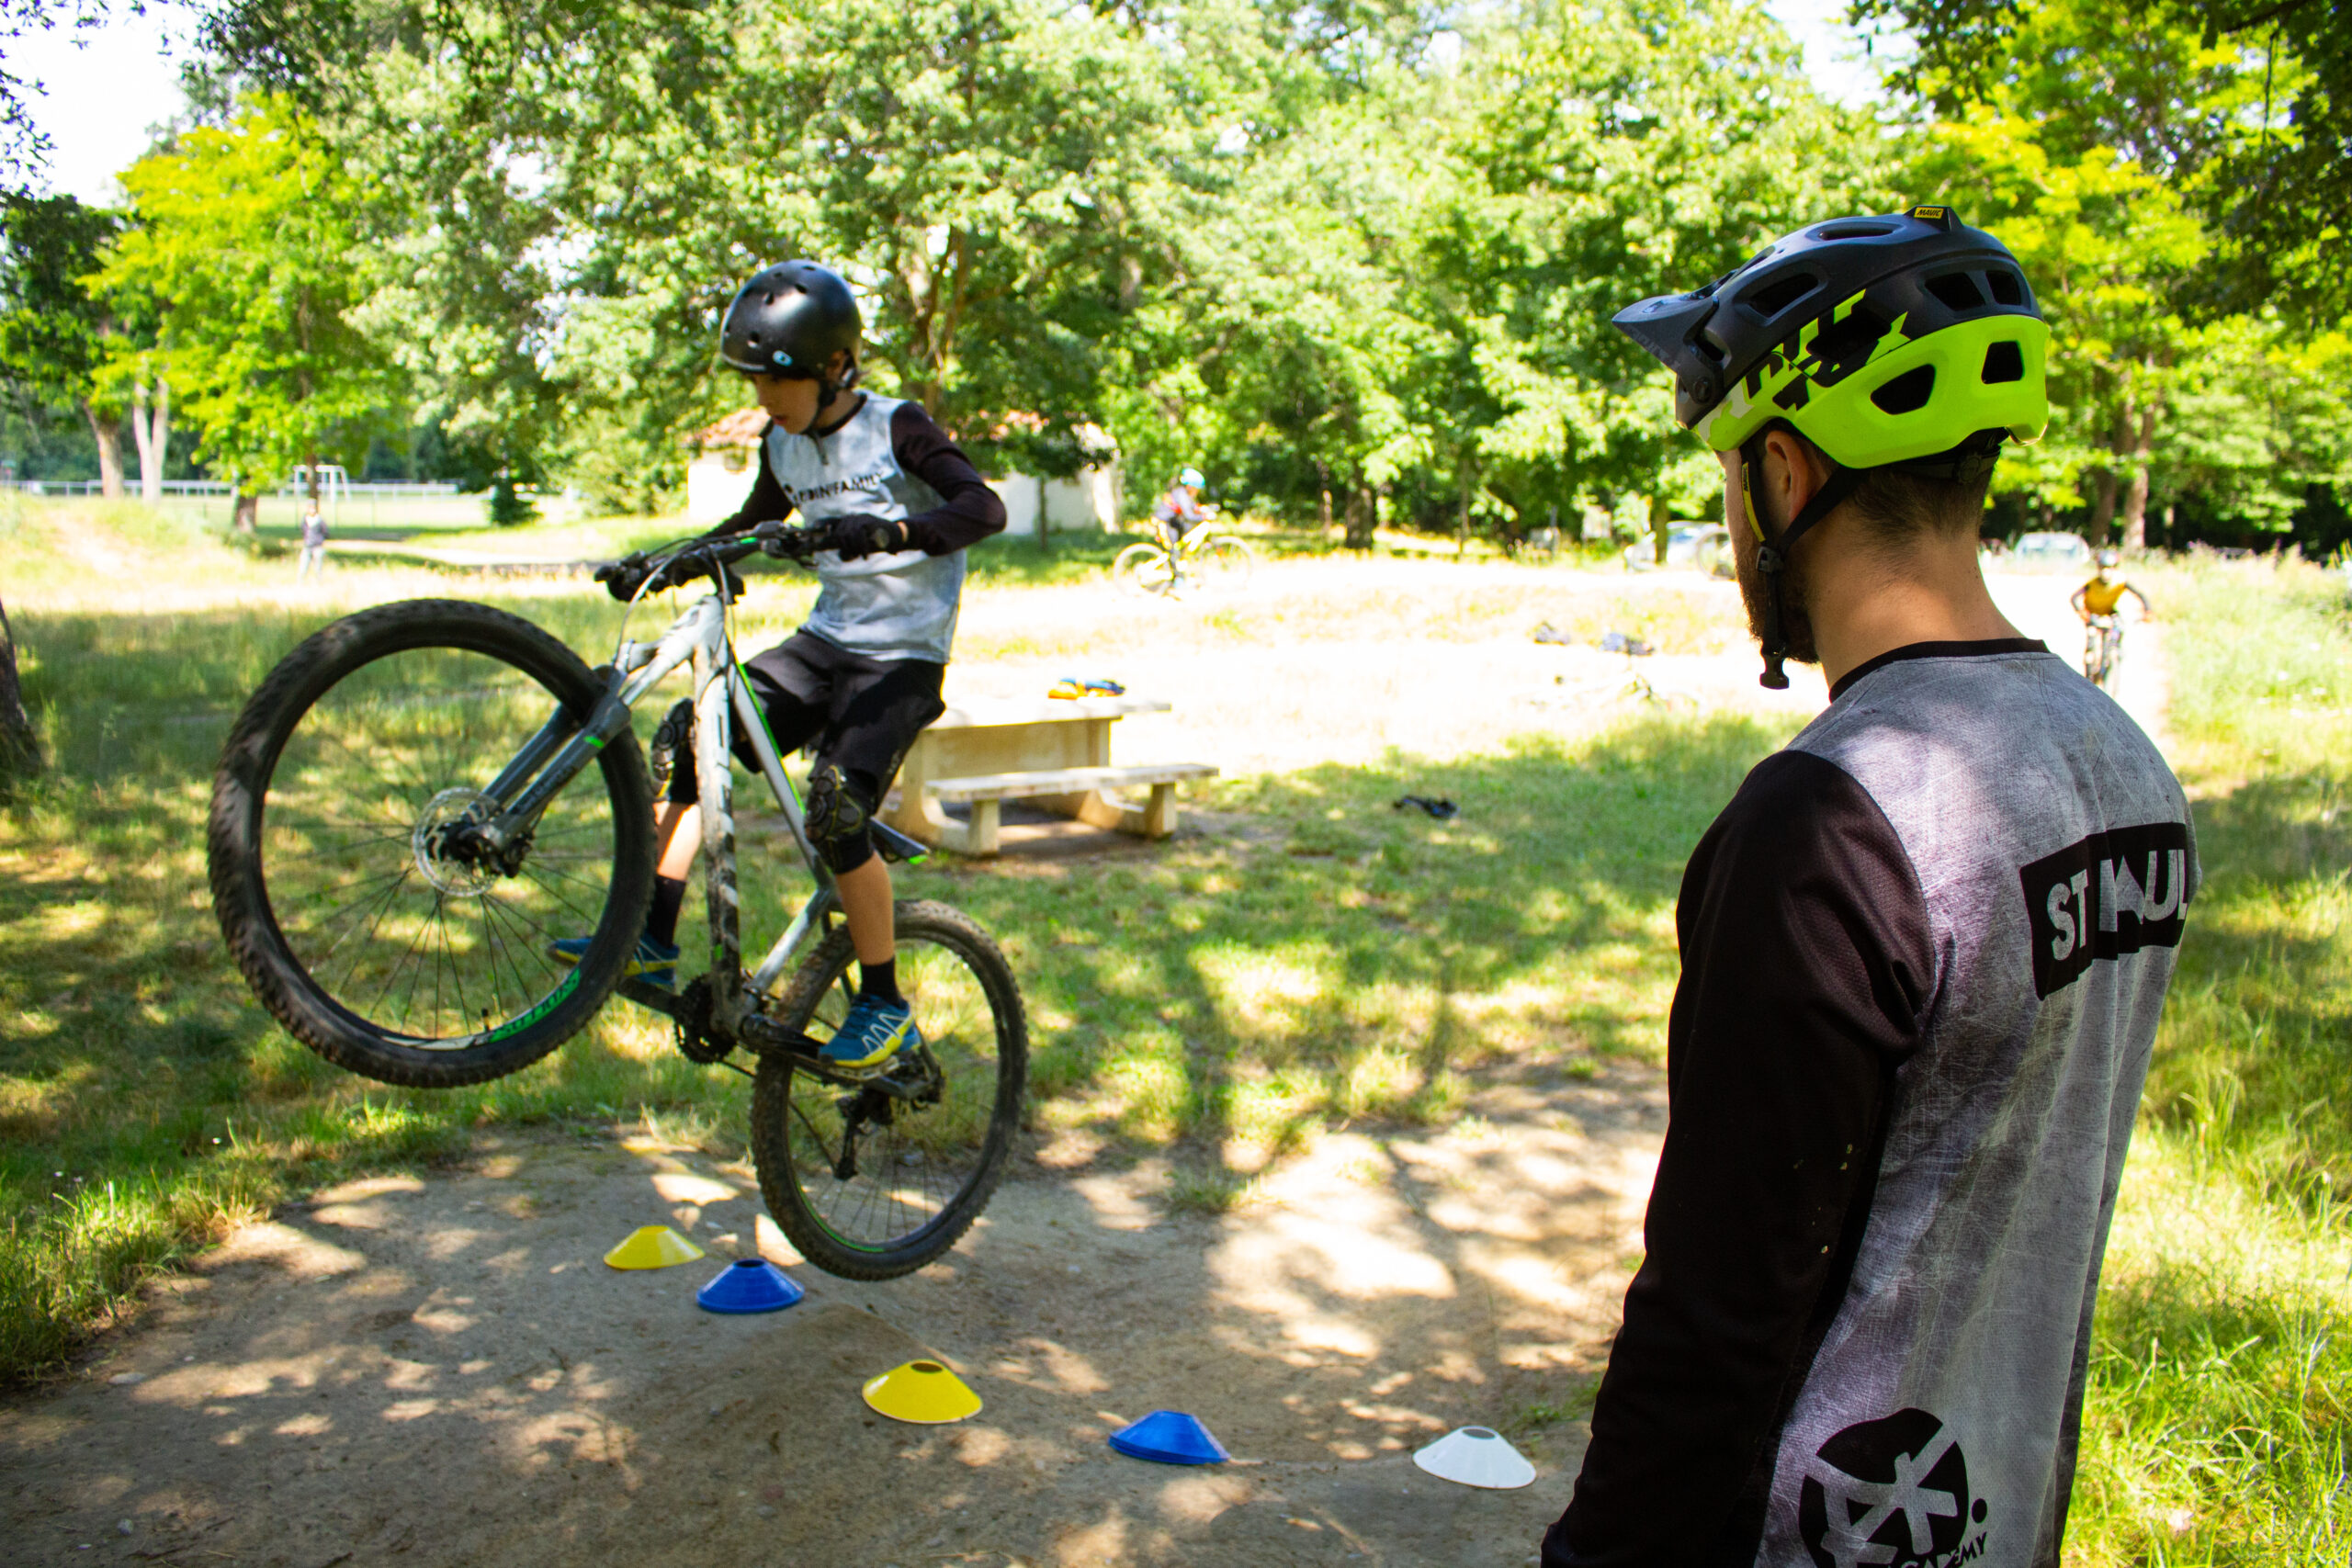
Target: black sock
x: 880, y: 981
x: 662, y: 920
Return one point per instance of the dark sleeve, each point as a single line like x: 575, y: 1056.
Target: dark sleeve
x: 969, y: 510
x: 1808, y: 964
x: 766, y: 503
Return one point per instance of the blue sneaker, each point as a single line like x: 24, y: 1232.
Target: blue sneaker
x: 655, y: 963
x: 873, y: 1031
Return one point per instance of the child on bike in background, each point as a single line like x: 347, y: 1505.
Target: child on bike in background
x: 1179, y: 509
x: 898, y: 504
x: 2100, y: 597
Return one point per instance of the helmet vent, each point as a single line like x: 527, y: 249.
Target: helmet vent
x: 1909, y: 392
x: 2002, y: 362
x: 1958, y: 291
x: 2007, y: 287
x: 1774, y: 297
x: 1854, y: 232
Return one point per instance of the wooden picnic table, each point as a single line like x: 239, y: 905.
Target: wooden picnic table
x: 1051, y: 750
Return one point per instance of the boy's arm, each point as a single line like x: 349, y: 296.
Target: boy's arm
x: 969, y: 510
x: 1807, y: 960
x: 2147, y: 611
x: 766, y: 503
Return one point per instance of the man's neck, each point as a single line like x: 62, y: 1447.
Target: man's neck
x: 1864, y: 601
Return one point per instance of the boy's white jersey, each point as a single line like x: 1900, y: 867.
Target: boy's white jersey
x: 899, y: 605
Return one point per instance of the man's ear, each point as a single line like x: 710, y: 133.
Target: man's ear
x: 1792, y: 473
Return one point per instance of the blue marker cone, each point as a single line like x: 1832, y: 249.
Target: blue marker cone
x: 749, y: 1285
x: 1169, y: 1437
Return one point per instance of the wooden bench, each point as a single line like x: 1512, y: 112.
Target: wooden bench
x: 1055, y: 752
x: 1075, y: 792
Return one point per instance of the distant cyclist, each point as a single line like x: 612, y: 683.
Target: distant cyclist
x: 2103, y: 594
x: 1180, y: 511
x: 2095, y: 601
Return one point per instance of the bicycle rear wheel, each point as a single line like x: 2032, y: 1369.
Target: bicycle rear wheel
x: 1224, y: 565
x: 363, y: 916
x: 1144, y: 569
x: 919, y: 1170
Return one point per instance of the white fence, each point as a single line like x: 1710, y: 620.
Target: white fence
x: 358, y: 491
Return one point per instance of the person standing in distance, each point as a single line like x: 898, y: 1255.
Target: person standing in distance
x: 898, y: 503
x: 1923, y: 951
x: 314, y: 543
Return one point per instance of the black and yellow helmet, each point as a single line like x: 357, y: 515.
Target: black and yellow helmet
x: 1881, y: 340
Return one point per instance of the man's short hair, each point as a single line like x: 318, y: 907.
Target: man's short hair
x: 1898, y: 507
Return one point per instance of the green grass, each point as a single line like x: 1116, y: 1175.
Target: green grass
x: 2216, y: 1428
x: 1329, y: 960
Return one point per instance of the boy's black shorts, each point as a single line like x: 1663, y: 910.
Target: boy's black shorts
x: 863, y: 714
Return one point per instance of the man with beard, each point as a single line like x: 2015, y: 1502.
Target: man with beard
x: 1923, y: 949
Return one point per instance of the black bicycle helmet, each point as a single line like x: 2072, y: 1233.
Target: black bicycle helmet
x: 792, y: 318
x: 1903, y: 340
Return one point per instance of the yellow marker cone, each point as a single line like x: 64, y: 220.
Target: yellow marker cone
x: 653, y: 1246
x: 921, y: 1391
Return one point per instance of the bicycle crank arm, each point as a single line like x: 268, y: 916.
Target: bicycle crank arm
x: 649, y: 995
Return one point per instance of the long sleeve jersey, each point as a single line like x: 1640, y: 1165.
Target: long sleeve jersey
x: 887, y: 460
x: 1924, y: 950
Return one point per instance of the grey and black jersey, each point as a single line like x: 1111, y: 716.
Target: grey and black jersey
x: 886, y: 460
x: 1924, y: 952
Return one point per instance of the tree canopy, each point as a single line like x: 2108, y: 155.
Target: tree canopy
x: 1357, y: 264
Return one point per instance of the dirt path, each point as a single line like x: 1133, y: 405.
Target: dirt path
x: 443, y: 1371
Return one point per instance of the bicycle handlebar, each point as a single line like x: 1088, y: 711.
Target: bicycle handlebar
x: 675, y: 565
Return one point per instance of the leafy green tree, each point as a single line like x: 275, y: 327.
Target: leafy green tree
x: 245, y: 238
x: 2107, y: 247
x: 54, y: 333
x: 2273, y: 170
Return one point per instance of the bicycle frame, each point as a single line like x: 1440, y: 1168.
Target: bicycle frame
x: 565, y: 746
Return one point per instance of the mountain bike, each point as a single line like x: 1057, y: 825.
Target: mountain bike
x: 422, y: 794
x: 2103, y: 650
x: 1217, y: 563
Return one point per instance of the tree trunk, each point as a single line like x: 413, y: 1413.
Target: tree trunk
x: 2103, y: 488
x: 247, y: 514
x: 19, y: 746
x: 2135, y: 498
x: 151, y: 427
x: 108, y: 434
x: 1462, y: 520
x: 1361, y: 518
x: 1659, y: 528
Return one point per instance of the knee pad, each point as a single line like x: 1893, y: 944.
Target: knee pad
x: 839, y: 809
x: 671, y: 755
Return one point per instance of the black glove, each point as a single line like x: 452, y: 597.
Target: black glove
x: 623, y: 578
x: 858, y: 536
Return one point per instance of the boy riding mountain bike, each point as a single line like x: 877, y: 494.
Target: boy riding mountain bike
x: 898, y: 504
x: 1180, y: 511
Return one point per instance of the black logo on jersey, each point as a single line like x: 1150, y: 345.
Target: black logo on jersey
x: 2112, y: 894
x: 1890, y: 1493
x: 877, y: 482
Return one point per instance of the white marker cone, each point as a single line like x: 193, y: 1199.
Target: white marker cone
x: 1476, y: 1456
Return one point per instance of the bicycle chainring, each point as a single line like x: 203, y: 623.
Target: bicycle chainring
x: 692, y: 1021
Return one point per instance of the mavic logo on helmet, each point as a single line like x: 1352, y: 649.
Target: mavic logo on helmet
x: 1890, y: 1494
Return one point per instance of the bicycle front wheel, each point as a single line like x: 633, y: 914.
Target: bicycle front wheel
x: 1144, y: 569
x: 365, y: 918
x: 1224, y: 565
x: 868, y: 1184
